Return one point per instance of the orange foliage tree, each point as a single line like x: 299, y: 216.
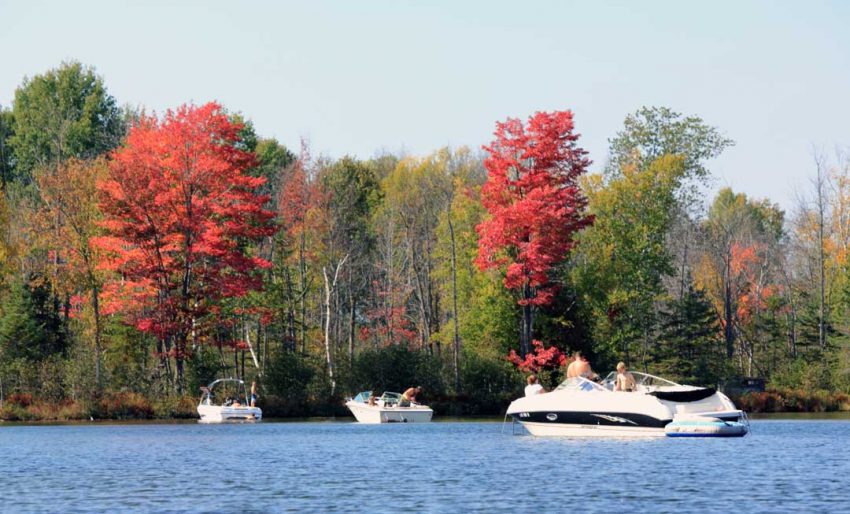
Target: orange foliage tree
x: 179, y: 211
x: 67, y: 223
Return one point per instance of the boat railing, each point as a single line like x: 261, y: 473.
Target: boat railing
x: 645, y: 382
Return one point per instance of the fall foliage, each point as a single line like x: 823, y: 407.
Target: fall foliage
x: 535, y: 206
x: 178, y: 209
x: 143, y: 256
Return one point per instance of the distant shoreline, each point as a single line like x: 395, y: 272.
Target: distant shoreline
x: 770, y: 416
x: 134, y: 407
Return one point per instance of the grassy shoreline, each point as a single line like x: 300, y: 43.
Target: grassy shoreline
x: 793, y: 401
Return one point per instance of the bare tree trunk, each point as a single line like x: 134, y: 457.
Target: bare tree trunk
x: 350, y: 325
x: 337, y: 318
x: 820, y: 183
x: 265, y: 350
x: 792, y: 312
x: 302, y: 268
x: 456, y: 345
x: 526, y: 332
x: 328, y: 358
x: 95, y: 301
x: 330, y: 287
x: 728, y: 329
x: 683, y: 275
x: 250, y: 346
x: 424, y: 317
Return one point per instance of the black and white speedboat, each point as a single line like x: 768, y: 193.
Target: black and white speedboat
x: 580, y: 407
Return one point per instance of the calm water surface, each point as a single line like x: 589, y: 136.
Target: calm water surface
x: 784, y: 466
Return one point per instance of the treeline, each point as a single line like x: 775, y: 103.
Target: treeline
x: 145, y: 255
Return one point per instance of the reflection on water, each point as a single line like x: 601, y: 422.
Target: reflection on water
x: 802, y: 415
x: 439, y: 467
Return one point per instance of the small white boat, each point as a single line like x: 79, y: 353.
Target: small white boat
x: 232, y: 408
x: 387, y: 409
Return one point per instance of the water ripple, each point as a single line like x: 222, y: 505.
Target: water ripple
x: 787, y: 466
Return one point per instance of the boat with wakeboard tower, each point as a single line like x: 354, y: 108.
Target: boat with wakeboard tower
x: 233, y: 408
x: 579, y: 407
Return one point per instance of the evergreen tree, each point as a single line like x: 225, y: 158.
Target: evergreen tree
x: 689, y: 346
x: 31, y: 326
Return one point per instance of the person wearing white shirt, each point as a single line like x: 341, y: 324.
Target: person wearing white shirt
x: 533, y: 386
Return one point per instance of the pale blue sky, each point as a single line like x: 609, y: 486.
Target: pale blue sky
x: 359, y: 77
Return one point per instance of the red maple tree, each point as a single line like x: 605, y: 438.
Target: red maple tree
x: 535, y: 206
x: 541, y: 359
x: 179, y: 211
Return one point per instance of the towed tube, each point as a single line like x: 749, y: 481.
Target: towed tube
x: 704, y: 426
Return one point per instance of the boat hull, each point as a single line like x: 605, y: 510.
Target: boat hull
x: 221, y: 414
x: 577, y: 430
x: 374, y: 414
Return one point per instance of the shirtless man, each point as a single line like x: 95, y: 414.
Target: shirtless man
x: 586, y: 371
x: 575, y: 367
x: 409, y: 396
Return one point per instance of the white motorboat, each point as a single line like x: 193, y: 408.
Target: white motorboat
x: 387, y: 409
x: 579, y: 407
x: 234, y: 407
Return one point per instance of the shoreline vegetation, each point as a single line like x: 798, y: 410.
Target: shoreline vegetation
x: 144, y: 255
x: 132, y: 406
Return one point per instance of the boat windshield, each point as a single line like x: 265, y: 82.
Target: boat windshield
x: 390, y: 399
x: 579, y: 384
x: 644, y: 381
x: 363, y: 397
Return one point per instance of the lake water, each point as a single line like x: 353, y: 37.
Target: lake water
x: 783, y: 466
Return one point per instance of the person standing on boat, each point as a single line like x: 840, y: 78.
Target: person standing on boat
x: 409, y: 396
x: 585, y: 370
x: 625, y: 380
x: 533, y: 386
x: 574, y: 369
x: 580, y: 367
x: 253, y: 394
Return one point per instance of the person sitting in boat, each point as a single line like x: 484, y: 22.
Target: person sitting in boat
x: 533, y: 386
x: 373, y: 400
x: 625, y: 380
x: 409, y: 396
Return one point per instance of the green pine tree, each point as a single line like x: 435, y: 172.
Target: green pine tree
x: 689, y: 347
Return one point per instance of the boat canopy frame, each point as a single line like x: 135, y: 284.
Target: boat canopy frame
x: 207, y: 391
